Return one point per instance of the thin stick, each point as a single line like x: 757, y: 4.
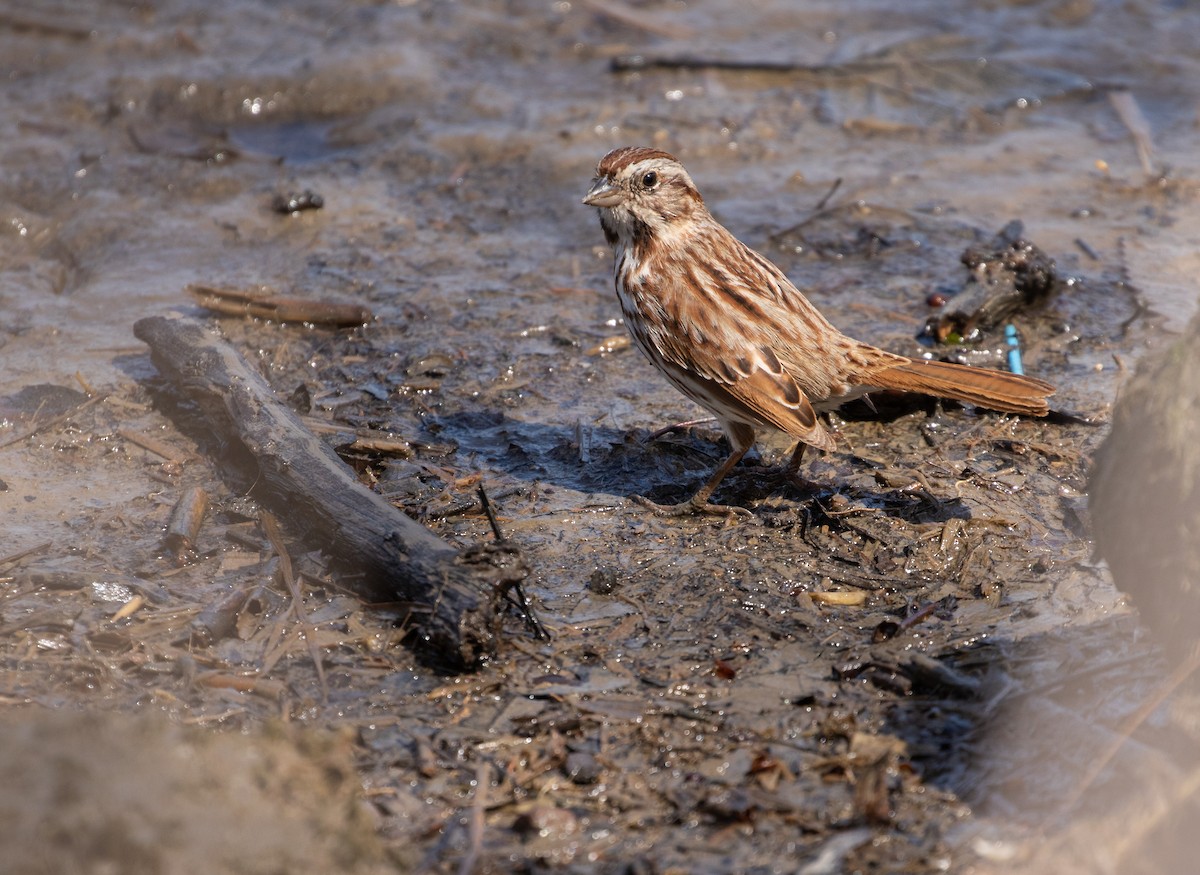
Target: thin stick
x: 307, y: 629
x: 17, y: 557
x: 235, y: 302
x: 491, y: 514
x: 837, y: 183
x: 52, y: 421
x: 513, y: 593
x: 153, y: 445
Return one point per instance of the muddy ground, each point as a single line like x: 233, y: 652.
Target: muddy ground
x: 908, y: 669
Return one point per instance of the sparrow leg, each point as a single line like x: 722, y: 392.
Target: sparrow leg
x: 741, y: 437
x: 791, y: 471
x: 793, y: 466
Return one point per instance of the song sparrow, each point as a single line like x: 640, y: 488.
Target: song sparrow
x: 731, y: 332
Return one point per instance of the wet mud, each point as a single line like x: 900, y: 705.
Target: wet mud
x: 909, y: 665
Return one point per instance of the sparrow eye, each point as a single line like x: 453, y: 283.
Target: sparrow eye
x: 650, y: 179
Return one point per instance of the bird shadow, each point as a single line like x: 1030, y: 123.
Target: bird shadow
x: 601, y: 460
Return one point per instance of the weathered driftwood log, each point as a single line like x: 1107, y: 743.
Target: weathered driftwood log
x: 317, y: 496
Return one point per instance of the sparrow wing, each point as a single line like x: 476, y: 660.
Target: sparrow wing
x: 717, y: 327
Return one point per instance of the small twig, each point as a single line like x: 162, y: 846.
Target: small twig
x: 53, y: 421
x: 837, y: 183
x: 281, y: 308
x: 271, y: 529
x: 17, y: 557
x: 491, y: 514
x: 627, y: 63
x: 152, y: 444
x: 920, y: 615
x: 87, y: 387
x: 676, y: 427
x: 1086, y: 249
x: 47, y: 24
x: 1140, y: 309
x: 514, y: 594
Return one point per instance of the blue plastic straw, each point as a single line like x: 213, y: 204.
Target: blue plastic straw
x: 1014, y: 349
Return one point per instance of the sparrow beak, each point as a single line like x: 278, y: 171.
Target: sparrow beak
x: 603, y: 193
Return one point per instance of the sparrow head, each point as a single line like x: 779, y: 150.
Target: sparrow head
x: 641, y: 190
